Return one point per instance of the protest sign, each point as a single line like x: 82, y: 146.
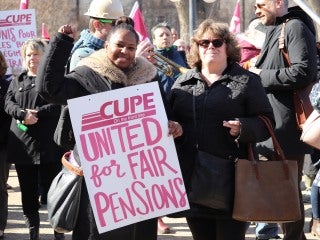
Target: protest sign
x: 129, y: 160
x: 16, y: 26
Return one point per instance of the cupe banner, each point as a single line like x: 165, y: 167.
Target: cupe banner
x: 129, y: 161
x: 16, y: 26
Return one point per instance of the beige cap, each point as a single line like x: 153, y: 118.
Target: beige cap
x: 107, y: 9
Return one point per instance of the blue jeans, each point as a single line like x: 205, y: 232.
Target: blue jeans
x: 315, y: 203
x: 266, y: 230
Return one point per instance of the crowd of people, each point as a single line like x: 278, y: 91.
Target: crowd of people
x: 214, y: 107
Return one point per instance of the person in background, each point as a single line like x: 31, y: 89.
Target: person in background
x: 315, y: 158
x: 102, y: 14
x: 113, y: 67
x: 162, y: 40
x: 180, y: 44
x: 315, y: 195
x: 216, y: 80
x: 182, y: 48
x: 175, y: 35
x: 30, y: 142
x: 5, y: 121
x: 281, y: 79
x: 251, y: 42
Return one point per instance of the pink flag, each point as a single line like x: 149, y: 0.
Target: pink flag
x: 44, y: 33
x: 235, y: 20
x: 139, y: 26
x: 24, y: 4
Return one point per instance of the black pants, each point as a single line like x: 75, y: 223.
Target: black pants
x: 4, y: 172
x: 294, y: 230
x: 86, y: 228
x: 216, y: 229
x: 29, y: 176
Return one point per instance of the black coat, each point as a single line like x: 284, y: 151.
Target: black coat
x: 36, y: 146
x: 280, y: 81
x: 238, y: 94
x: 5, y: 119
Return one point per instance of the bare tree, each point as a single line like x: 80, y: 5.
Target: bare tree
x: 182, y: 7
x: 202, y: 10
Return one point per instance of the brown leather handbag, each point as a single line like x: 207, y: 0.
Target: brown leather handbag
x: 266, y: 191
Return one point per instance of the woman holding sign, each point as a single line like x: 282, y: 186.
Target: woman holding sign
x: 218, y: 104
x: 110, y: 68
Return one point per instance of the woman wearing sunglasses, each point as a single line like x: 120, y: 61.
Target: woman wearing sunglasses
x: 217, y: 103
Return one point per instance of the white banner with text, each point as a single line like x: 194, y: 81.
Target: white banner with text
x: 129, y: 161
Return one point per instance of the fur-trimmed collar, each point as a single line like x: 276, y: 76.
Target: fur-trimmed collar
x: 141, y: 71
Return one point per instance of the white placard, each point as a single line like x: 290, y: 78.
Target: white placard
x: 130, y: 163
x: 16, y: 26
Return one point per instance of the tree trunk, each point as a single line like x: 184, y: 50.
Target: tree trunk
x: 182, y: 7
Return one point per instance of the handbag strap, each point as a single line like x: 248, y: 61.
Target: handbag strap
x: 277, y: 148
x: 282, y: 46
x: 194, y: 113
x: 276, y: 145
x: 74, y: 169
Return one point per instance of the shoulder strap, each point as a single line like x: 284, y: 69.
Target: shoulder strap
x: 282, y: 45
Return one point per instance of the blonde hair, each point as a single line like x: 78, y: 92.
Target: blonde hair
x: 35, y: 44
x: 3, y: 65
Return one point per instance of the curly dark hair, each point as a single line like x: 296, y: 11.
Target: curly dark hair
x: 220, y: 30
x: 125, y: 23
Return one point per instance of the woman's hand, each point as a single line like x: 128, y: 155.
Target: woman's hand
x: 31, y: 117
x: 234, y: 126
x: 68, y: 30
x: 175, y: 129
x: 145, y: 49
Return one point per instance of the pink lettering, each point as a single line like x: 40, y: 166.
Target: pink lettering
x: 132, y: 136
x: 127, y: 106
x: 97, y: 173
x: 19, y: 18
x: 149, y: 130
x: 151, y: 161
x: 102, y: 206
x: 147, y: 200
x: 99, y: 142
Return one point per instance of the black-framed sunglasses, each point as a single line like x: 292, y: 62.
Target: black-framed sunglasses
x: 215, y: 42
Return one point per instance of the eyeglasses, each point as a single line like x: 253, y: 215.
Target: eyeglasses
x: 215, y: 43
x: 111, y: 21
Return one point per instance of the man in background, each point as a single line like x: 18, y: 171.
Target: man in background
x: 280, y: 79
x: 163, y: 42
x: 175, y: 35
x: 102, y: 16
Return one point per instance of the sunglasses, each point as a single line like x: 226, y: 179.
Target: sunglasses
x: 111, y: 21
x: 215, y: 43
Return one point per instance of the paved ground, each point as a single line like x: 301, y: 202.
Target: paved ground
x: 16, y: 229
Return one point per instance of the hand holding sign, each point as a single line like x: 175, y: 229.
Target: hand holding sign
x: 175, y: 129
